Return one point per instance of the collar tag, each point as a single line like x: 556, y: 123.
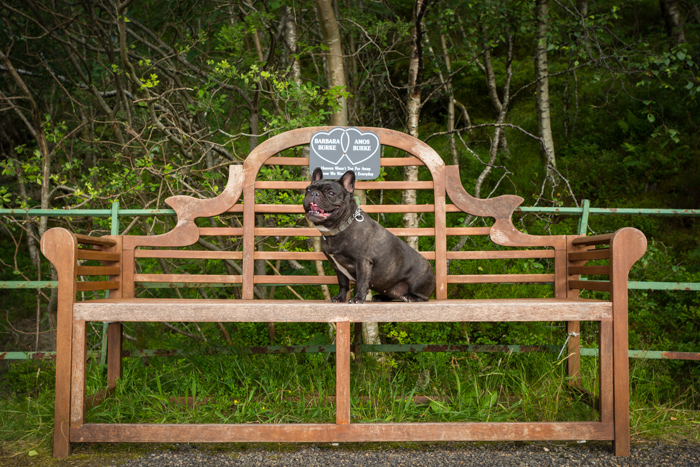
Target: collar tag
x: 358, y: 215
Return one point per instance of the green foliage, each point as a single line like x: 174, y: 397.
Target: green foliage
x: 30, y: 377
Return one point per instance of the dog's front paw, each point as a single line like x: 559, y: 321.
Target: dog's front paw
x: 340, y: 298
x: 357, y: 300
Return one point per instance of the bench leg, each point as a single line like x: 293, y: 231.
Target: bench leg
x: 573, y: 362
x: 606, y: 372
x: 342, y: 373
x: 621, y: 393
x: 77, y: 416
x: 114, y: 354
x: 61, y: 440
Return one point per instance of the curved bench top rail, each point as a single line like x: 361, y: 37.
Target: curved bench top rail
x: 393, y: 138
x: 188, y: 209
x: 446, y: 181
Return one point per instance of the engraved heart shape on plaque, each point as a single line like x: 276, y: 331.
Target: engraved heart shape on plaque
x: 341, y: 144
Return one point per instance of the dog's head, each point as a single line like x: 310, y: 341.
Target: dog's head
x: 327, y: 202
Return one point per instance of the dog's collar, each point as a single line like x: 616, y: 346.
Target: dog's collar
x: 357, y: 216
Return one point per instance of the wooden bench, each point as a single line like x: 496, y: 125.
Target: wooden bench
x: 119, y: 254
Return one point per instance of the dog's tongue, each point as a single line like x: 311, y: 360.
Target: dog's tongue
x: 314, y: 209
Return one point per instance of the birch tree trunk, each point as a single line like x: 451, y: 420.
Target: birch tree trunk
x: 674, y: 23
x: 413, y: 104
x: 491, y: 85
x: 36, y: 129
x: 290, y: 38
x: 544, y: 121
x: 336, y: 78
x: 336, y: 69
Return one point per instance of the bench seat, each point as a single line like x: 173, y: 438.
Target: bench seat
x: 184, y: 310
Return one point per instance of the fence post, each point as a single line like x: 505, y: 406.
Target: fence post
x: 583, y: 222
x: 114, y: 218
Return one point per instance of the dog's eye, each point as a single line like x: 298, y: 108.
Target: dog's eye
x: 332, y: 193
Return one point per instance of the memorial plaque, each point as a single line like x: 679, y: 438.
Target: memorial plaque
x: 342, y: 149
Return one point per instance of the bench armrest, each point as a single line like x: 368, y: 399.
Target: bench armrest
x: 66, y: 251
x: 621, y: 249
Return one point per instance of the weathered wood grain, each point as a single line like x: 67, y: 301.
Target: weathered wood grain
x: 188, y: 254
x: 97, y: 255
x: 360, y: 185
x: 601, y: 253
x: 342, y: 373
x: 143, y: 309
x: 384, y: 161
x: 332, y: 433
x: 99, y: 241
x: 188, y: 278
x: 89, y: 286
x: 590, y: 270
x: 501, y: 278
x: 98, y: 270
x: 590, y: 285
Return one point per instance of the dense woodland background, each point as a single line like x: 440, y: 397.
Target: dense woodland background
x: 554, y: 100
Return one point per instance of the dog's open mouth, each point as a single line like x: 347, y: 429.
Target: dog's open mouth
x: 315, y: 210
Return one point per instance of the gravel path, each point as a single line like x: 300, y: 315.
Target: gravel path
x: 427, y: 455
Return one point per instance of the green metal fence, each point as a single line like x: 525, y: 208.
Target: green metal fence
x: 585, y: 211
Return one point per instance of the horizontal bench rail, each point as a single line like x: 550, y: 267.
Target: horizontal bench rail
x: 388, y: 185
x: 601, y: 253
x: 97, y: 255
x: 332, y: 433
x: 384, y: 161
x: 90, y: 240
x: 368, y: 208
x: 295, y: 311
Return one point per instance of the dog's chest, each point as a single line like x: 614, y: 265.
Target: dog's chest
x: 344, y: 265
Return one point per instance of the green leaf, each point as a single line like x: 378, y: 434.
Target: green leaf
x: 33, y: 453
x: 651, y: 118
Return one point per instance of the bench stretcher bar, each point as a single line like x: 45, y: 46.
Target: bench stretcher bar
x: 331, y: 433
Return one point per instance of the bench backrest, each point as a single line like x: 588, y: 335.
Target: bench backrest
x: 265, y: 193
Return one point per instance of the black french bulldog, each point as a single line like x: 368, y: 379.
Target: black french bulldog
x: 360, y: 249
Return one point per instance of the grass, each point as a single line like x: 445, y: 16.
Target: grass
x: 299, y: 388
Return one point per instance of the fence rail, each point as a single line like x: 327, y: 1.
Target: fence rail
x: 383, y: 348
x: 585, y: 211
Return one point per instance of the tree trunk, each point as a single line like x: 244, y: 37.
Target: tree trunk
x: 451, y: 100
x: 446, y: 82
x: 290, y: 38
x: 336, y: 78
x: 415, y: 79
x: 492, y: 86
x: 544, y: 121
x: 37, y: 131
x: 336, y: 69
x: 674, y: 23
x: 582, y: 6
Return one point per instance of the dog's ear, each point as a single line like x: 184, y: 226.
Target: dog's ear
x: 317, y: 175
x: 348, y: 181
